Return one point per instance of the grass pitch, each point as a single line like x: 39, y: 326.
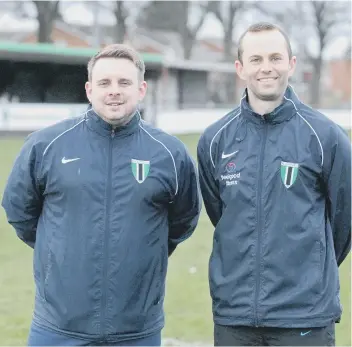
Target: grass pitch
x: 187, y: 305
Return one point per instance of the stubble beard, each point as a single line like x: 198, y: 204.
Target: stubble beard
x: 274, y: 96
x: 123, y: 120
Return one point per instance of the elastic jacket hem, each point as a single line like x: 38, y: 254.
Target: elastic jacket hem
x: 316, y: 322
x: 41, y: 322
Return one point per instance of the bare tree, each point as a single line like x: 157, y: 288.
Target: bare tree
x: 47, y: 12
x: 124, y: 13
x: 324, y: 20
x: 121, y: 14
x: 227, y: 12
x: 330, y: 19
x: 286, y: 16
x: 175, y: 16
x: 187, y: 31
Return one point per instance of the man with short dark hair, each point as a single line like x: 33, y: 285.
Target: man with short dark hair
x: 104, y: 199
x: 275, y: 177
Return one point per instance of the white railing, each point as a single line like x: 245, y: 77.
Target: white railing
x: 30, y: 117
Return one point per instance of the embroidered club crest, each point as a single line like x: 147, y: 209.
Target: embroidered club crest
x: 289, y: 172
x: 140, y: 169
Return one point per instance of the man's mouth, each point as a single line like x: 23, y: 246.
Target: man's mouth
x: 267, y: 79
x: 115, y: 103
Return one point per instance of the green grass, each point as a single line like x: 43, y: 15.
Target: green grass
x: 187, y: 306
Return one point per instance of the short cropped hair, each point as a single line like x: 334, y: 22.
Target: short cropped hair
x: 259, y: 27
x: 121, y: 51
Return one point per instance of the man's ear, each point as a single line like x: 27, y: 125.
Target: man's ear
x: 239, y: 69
x: 142, y: 90
x: 292, y: 66
x: 88, y: 87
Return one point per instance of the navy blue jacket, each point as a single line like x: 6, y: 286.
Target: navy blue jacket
x: 103, y: 209
x: 277, y: 188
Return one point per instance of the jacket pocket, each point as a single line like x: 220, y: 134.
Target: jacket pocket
x: 317, y: 263
x: 47, y: 274
x: 161, y: 278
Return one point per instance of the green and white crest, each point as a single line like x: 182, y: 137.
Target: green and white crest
x: 289, y: 172
x: 140, y: 169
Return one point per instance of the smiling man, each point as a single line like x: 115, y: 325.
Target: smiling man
x: 276, y: 180
x: 103, y: 199
x: 123, y: 76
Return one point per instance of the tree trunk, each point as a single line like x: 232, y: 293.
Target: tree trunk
x: 188, y: 41
x: 188, y: 46
x: 184, y: 31
x: 228, y: 56
x: 230, y: 79
x: 315, y: 85
x: 46, y: 13
x: 45, y: 28
x: 120, y: 16
x: 187, y: 32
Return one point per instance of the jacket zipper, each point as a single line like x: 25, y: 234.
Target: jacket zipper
x: 106, y: 237
x: 259, y: 226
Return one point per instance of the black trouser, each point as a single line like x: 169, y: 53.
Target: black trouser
x: 251, y: 336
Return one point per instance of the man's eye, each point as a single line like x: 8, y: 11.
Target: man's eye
x: 255, y: 60
x: 277, y: 58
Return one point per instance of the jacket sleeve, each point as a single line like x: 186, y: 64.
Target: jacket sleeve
x: 208, y: 185
x: 185, y: 208
x: 22, y: 200
x: 338, y: 186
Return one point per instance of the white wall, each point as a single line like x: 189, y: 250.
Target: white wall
x: 196, y: 120
x: 29, y: 117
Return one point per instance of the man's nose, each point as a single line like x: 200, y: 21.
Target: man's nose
x: 266, y: 66
x: 114, y: 89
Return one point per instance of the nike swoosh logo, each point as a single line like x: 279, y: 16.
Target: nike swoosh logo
x: 224, y: 156
x: 65, y: 161
x: 306, y: 333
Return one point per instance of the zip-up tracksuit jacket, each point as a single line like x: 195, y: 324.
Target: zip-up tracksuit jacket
x: 102, y: 209
x: 277, y: 189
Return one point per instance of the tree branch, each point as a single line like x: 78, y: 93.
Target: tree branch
x: 120, y: 11
x: 215, y: 9
x: 54, y: 9
x: 200, y: 23
x: 233, y: 10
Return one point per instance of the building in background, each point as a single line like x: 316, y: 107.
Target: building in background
x: 177, y: 84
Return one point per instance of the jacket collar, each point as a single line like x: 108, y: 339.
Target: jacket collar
x: 283, y: 112
x: 99, y: 125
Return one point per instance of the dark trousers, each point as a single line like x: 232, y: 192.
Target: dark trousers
x: 251, y: 336
x: 39, y: 336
